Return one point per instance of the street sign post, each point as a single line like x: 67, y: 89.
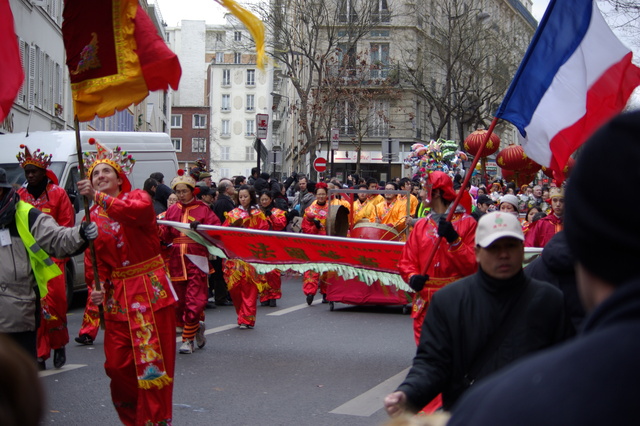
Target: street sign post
x: 320, y: 164
x: 262, y: 121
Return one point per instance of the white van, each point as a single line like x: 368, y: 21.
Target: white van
x: 153, y: 152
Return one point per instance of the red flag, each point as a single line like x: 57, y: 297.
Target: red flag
x: 115, y: 56
x: 11, y: 72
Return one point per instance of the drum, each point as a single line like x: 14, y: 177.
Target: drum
x: 338, y: 221
x: 374, y: 231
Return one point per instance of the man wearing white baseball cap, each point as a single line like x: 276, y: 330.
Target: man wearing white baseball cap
x: 483, y: 322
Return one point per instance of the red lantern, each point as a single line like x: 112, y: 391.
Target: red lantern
x: 473, y: 142
x: 520, y: 178
x: 566, y: 170
x: 513, y: 157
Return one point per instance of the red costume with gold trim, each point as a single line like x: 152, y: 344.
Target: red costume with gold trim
x: 277, y: 222
x: 53, y: 333
x: 450, y: 263
x: 542, y: 230
x: 242, y: 280
x: 139, y: 306
x: 312, y: 280
x: 189, y: 280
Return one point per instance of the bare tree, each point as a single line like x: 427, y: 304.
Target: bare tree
x: 305, y: 39
x: 464, y: 68
x: 624, y: 17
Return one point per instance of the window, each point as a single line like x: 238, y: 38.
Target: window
x: 225, y: 128
x: 177, y: 144
x: 199, y: 121
x: 249, y: 154
x: 346, y: 118
x: 380, y: 11
x: 226, y: 77
x: 199, y: 145
x: 176, y: 121
x: 225, y: 153
x: 251, y: 128
x: 237, y: 58
x: 237, y: 36
x: 226, y: 103
x: 347, y: 57
x: 225, y: 173
x: 379, y: 60
x: 219, y: 58
x: 251, y: 102
x: 347, y: 11
x: 251, y: 77
x: 379, y: 118
x: 219, y: 37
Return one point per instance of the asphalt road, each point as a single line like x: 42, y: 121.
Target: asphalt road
x: 300, y: 365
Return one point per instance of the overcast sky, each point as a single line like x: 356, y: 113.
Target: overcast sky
x: 173, y: 11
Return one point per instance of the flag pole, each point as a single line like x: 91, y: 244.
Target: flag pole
x: 454, y: 205
x: 87, y: 218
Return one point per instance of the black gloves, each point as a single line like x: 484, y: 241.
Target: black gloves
x: 417, y: 282
x: 294, y: 175
x: 317, y: 223
x: 194, y: 225
x: 88, y: 231
x: 267, y: 213
x: 446, y: 230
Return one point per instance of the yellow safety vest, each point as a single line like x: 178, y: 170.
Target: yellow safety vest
x: 44, y: 268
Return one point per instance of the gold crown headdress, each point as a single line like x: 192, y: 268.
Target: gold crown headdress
x: 183, y: 177
x: 120, y: 160
x: 38, y: 158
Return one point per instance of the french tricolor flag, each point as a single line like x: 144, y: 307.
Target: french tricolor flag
x: 575, y: 75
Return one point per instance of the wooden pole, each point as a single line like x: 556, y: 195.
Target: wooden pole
x: 452, y: 207
x: 87, y: 218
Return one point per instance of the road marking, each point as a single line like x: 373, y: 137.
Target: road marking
x: 372, y: 400
x: 64, y: 369
x: 294, y: 308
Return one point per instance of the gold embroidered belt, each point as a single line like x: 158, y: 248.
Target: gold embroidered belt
x: 138, y: 269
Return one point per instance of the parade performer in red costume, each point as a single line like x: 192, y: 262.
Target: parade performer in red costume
x: 277, y: 222
x: 139, y: 341
x: 42, y: 191
x: 544, y: 229
x: 455, y: 257
x: 242, y: 280
x: 189, y: 261
x: 315, y: 222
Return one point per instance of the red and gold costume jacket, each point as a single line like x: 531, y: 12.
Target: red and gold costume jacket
x: 315, y: 211
x: 541, y: 231
x: 450, y: 263
x: 181, y: 245
x: 277, y: 220
x: 236, y: 270
x: 128, y: 251
x: 53, y: 201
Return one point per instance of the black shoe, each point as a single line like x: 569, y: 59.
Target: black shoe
x: 324, y: 298
x: 225, y: 303
x: 310, y: 299
x: 84, y: 339
x: 210, y: 305
x: 42, y: 366
x: 265, y: 303
x: 59, y: 357
x: 272, y: 303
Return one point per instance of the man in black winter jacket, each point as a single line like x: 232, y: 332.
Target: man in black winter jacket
x: 456, y: 346
x: 593, y: 379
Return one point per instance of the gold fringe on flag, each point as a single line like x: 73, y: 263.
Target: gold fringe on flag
x: 253, y: 24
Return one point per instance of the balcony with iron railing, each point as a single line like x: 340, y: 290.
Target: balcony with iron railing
x: 373, y: 76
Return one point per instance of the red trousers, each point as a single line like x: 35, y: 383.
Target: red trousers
x: 136, y: 406
x: 274, y: 282
x: 244, y: 296
x: 53, y: 333
x: 311, y: 281
x: 192, y: 297
x: 91, y: 318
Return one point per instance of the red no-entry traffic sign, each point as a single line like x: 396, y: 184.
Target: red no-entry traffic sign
x: 320, y: 164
